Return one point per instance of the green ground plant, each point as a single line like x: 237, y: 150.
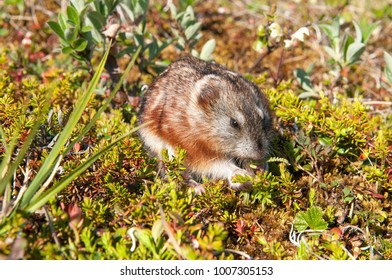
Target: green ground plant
x: 80, y: 31
x: 33, y: 195
x: 344, y: 51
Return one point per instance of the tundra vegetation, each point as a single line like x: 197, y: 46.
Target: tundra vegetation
x: 76, y: 183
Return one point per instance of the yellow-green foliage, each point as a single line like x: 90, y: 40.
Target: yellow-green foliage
x: 326, y: 193
x: 122, y: 191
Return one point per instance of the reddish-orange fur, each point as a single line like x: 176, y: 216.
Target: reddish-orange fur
x: 218, y: 117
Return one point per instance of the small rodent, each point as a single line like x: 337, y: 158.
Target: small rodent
x: 218, y: 117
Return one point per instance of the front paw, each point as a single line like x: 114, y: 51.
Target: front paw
x: 243, y: 180
x: 197, y: 187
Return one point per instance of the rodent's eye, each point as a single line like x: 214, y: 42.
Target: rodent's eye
x: 234, y: 123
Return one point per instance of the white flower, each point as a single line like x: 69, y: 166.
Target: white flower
x: 288, y: 43
x: 26, y: 42
x: 300, y: 34
x: 275, y: 31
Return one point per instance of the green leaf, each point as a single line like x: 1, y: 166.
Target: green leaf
x: 70, y: 34
x: 310, y: 68
x: 62, y: 21
x: 57, y: 29
x: 86, y: 28
x: 327, y: 29
x: 332, y: 31
x: 145, y: 239
x: 307, y: 167
x: 304, y: 79
x: 367, y: 29
x: 95, y: 32
x: 192, y: 30
x: 4, y: 32
x: 346, y: 191
x: 157, y: 230
x: 173, y: 9
x: 67, y: 50
x: 307, y: 94
x: 260, y: 44
x: 78, y: 4
x: 358, y: 33
x: 186, y: 18
x: 325, y: 141
x: 139, y: 7
x: 348, y: 199
x: 179, y: 15
x: 306, y: 141
x: 139, y: 39
x: 354, y: 52
x: 195, y: 53
x: 152, y: 49
x: 73, y: 15
x: 207, y: 50
x: 388, y: 66
x: 97, y: 20
x: 180, y: 44
x: 128, y: 11
x: 312, y: 218
x: 80, y: 44
x: 335, y: 56
x: 345, y: 42
x: 5, y: 171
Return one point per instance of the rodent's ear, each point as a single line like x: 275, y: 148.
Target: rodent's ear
x: 208, y: 94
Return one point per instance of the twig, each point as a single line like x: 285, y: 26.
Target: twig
x: 297, y: 239
x: 56, y: 240
x: 348, y: 253
x: 50, y: 179
x: 307, y: 172
x: 6, y: 208
x: 33, y: 14
x: 260, y: 59
x: 378, y: 103
x: 245, y: 255
x: 278, y: 71
x: 45, y: 11
x: 19, y: 17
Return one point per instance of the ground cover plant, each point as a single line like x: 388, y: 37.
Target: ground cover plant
x: 76, y: 183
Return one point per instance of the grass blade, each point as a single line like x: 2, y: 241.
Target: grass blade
x: 6, y: 166
x: 105, y: 105
x: 47, y: 166
x: 40, y: 201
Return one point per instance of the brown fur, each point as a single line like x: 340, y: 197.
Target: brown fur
x: 216, y: 115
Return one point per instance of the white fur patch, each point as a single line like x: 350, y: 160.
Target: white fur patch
x: 240, y: 118
x: 219, y: 169
x: 196, y: 90
x: 260, y: 112
x: 155, y: 143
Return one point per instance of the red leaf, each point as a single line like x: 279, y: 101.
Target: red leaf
x: 377, y: 195
x: 241, y: 226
